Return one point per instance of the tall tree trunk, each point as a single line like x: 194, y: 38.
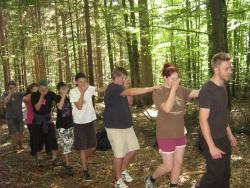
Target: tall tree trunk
x: 65, y: 49
x: 89, y: 44
x: 3, y: 49
x: 146, y: 57
x: 40, y: 47
x: 58, y: 42
x: 23, y: 51
x: 218, y: 11
x: 247, y: 75
x: 79, y: 44
x: 108, y: 35
x: 98, y: 49
x: 135, y: 71
x: 188, y: 42
x: 72, y: 36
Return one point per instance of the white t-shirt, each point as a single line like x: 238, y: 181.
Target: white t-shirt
x: 87, y: 113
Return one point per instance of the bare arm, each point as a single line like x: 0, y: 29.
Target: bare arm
x: 194, y: 94
x: 137, y: 91
x: 39, y: 103
x: 6, y: 99
x: 80, y: 102
x: 130, y: 100
x: 101, y: 90
x: 169, y: 104
x: 203, y: 118
x: 231, y: 136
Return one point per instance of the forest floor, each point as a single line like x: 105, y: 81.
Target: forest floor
x: 19, y: 170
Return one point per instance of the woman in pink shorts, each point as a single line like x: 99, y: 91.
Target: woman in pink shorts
x: 170, y: 100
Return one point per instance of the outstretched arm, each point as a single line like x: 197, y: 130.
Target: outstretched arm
x: 138, y: 91
x: 194, y: 94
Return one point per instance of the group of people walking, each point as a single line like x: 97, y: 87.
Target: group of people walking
x: 76, y: 116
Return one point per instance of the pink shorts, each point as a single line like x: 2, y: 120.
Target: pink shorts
x: 169, y: 145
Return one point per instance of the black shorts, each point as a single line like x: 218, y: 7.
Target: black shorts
x: 84, y: 136
x: 40, y: 139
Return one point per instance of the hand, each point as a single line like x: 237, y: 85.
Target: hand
x: 175, y: 83
x: 64, y: 92
x: 84, y: 88
x: 156, y: 87
x: 11, y: 91
x: 233, y: 140
x: 216, y: 152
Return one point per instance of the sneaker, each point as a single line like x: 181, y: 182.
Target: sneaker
x: 120, y: 184
x: 149, y: 183
x: 126, y: 177
x: 86, y: 176
x: 68, y: 170
x: 57, y: 162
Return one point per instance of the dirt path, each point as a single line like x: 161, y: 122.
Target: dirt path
x: 19, y: 169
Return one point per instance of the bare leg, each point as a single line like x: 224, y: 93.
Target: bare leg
x: 178, y: 160
x: 66, y: 159
x: 127, y: 159
x: 166, y: 166
x: 117, y: 165
x: 83, y: 160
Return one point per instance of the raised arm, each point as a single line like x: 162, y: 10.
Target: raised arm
x: 6, y: 99
x: 169, y: 103
x: 40, y: 102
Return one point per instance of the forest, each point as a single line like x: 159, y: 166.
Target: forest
x: 55, y: 39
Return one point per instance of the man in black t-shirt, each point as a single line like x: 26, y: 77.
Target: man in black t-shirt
x: 118, y: 124
x: 217, y: 137
x: 44, y: 129
x: 64, y: 123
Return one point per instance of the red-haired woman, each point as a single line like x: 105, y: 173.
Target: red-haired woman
x: 170, y: 100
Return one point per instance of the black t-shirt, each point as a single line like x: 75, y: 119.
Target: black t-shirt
x: 117, y: 113
x: 46, y: 106
x: 215, y: 98
x: 64, y: 116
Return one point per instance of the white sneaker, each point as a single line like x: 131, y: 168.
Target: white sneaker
x: 149, y: 183
x: 126, y: 177
x: 120, y: 184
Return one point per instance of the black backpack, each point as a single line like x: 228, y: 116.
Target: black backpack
x: 102, y: 141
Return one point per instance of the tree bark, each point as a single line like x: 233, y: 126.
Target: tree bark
x: 3, y: 54
x: 65, y: 49
x: 146, y: 57
x: 108, y: 36
x: 98, y: 50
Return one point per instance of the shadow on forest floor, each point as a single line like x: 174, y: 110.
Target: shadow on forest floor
x: 19, y: 169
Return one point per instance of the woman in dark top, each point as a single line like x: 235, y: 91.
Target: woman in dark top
x: 64, y: 123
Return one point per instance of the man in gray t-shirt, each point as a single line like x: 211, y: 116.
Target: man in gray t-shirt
x: 14, y: 115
